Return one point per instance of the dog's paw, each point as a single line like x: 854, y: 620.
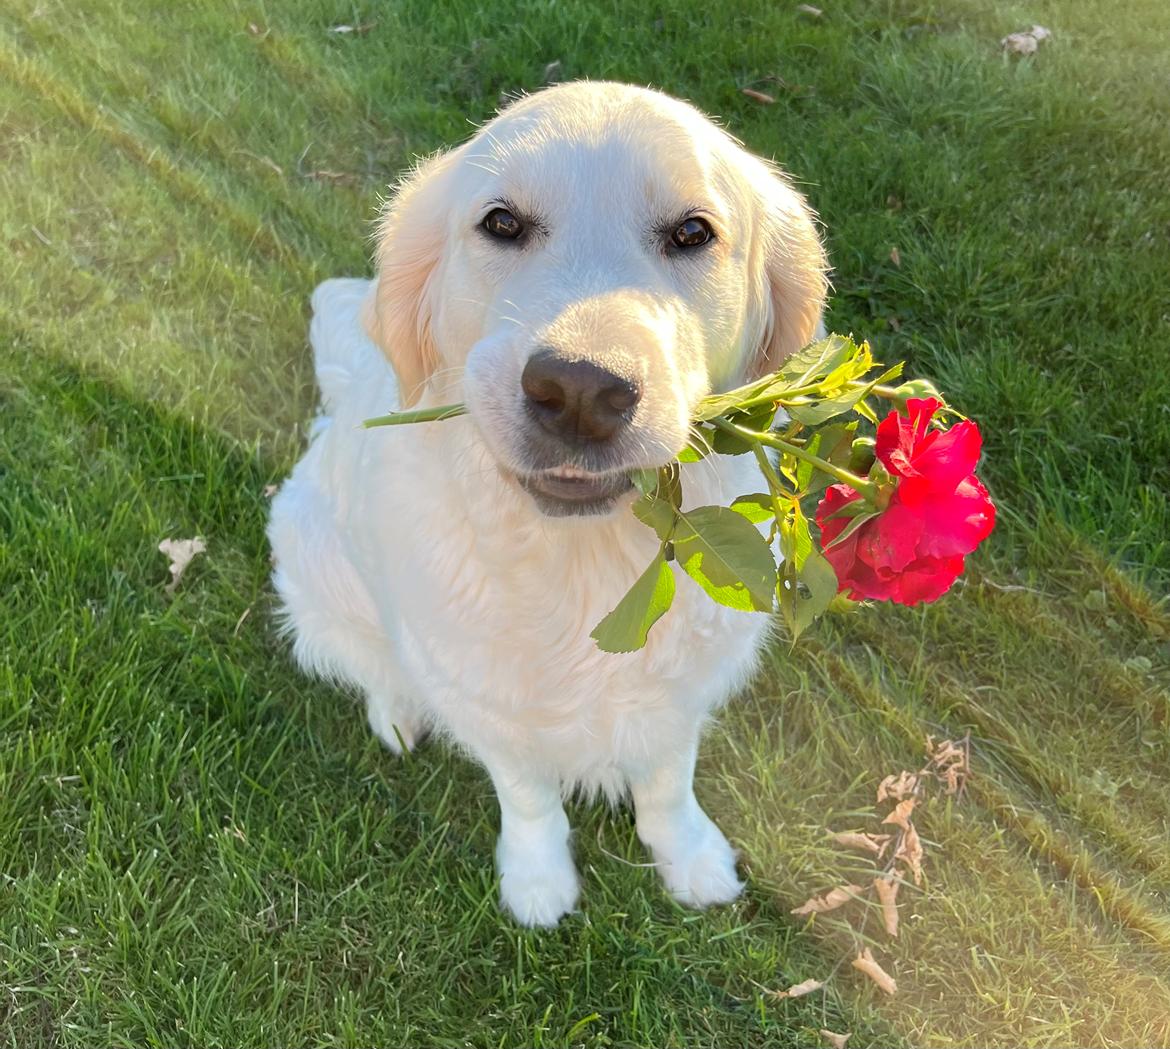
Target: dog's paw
x: 393, y: 722
x: 538, y: 891
x: 699, y: 869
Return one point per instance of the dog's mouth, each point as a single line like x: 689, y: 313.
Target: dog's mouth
x: 566, y: 491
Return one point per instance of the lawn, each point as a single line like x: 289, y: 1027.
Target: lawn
x: 200, y: 847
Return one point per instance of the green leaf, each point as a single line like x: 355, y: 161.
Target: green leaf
x: 821, y: 581
x: 818, y: 359
x: 626, y: 627
x: 725, y: 554
x: 656, y: 512
x: 756, y: 507
x: 820, y: 411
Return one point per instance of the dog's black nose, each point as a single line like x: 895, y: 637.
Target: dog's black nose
x: 577, y: 400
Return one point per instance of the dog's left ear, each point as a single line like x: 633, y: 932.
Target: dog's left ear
x: 795, y: 280
x: 397, y: 315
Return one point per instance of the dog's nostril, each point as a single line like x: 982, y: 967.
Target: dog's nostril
x: 544, y: 392
x: 577, y: 400
x: 621, y: 396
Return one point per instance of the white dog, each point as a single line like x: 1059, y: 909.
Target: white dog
x: 580, y: 273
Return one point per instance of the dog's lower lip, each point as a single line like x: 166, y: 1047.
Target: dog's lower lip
x: 571, y: 485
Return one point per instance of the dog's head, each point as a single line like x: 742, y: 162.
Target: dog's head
x: 582, y: 271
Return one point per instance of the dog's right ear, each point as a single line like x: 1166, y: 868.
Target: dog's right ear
x: 411, y: 234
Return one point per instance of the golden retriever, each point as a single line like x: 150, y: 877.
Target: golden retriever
x: 581, y: 272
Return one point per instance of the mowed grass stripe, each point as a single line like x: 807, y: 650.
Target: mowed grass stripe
x: 962, y: 934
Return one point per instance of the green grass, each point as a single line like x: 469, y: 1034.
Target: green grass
x: 198, y: 846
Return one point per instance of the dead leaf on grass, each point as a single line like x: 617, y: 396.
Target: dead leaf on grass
x: 1026, y: 42
x: 829, y: 902
x: 181, y: 552
x: 874, y: 843
x: 865, y: 963
x: 837, y: 1041
x: 808, y: 9
x: 897, y: 787
x: 910, y: 852
x: 757, y: 96
x: 896, y: 256
x: 270, y: 490
x: 900, y: 816
x: 887, y: 890
x: 799, y: 990
x: 359, y: 29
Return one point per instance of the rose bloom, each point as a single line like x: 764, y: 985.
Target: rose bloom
x: 938, y: 513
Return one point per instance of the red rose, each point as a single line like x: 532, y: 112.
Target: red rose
x: 938, y: 513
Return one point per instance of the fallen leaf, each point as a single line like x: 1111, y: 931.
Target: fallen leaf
x: 1025, y: 42
x: 181, y: 552
x: 757, y: 96
x: 900, y: 816
x: 270, y: 490
x: 945, y: 751
x: 357, y: 30
x: 896, y: 256
x: 897, y: 787
x: 887, y: 890
x: 829, y: 902
x: 864, y: 963
x: 808, y: 9
x: 910, y: 852
x: 799, y: 990
x: 257, y: 30
x: 552, y: 72
x: 874, y: 843
x: 837, y: 1041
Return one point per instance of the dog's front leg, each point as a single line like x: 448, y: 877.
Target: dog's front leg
x: 538, y: 881
x: 691, y: 854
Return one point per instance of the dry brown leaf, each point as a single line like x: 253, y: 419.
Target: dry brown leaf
x: 1025, y: 42
x: 837, y: 1041
x: 897, y: 787
x: 359, y: 29
x: 829, y: 902
x: 799, y: 990
x: 875, y: 843
x: 953, y: 778
x: 887, y: 890
x: 864, y: 963
x: 270, y: 490
x: 910, y: 852
x: 900, y: 816
x: 896, y: 256
x: 181, y: 552
x: 757, y: 96
x: 808, y: 9
x: 944, y: 752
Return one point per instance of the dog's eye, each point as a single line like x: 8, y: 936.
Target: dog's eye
x: 693, y: 233
x: 503, y: 224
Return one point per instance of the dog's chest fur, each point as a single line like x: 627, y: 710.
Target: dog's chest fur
x: 488, y: 607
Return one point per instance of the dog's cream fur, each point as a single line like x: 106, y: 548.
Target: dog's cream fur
x: 413, y: 566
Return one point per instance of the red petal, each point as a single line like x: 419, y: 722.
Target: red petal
x: 894, y: 540
x: 927, y: 579
x: 949, y: 456
x: 957, y: 523
x: 899, y: 435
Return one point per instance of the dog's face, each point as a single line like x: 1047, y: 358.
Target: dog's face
x: 592, y: 263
